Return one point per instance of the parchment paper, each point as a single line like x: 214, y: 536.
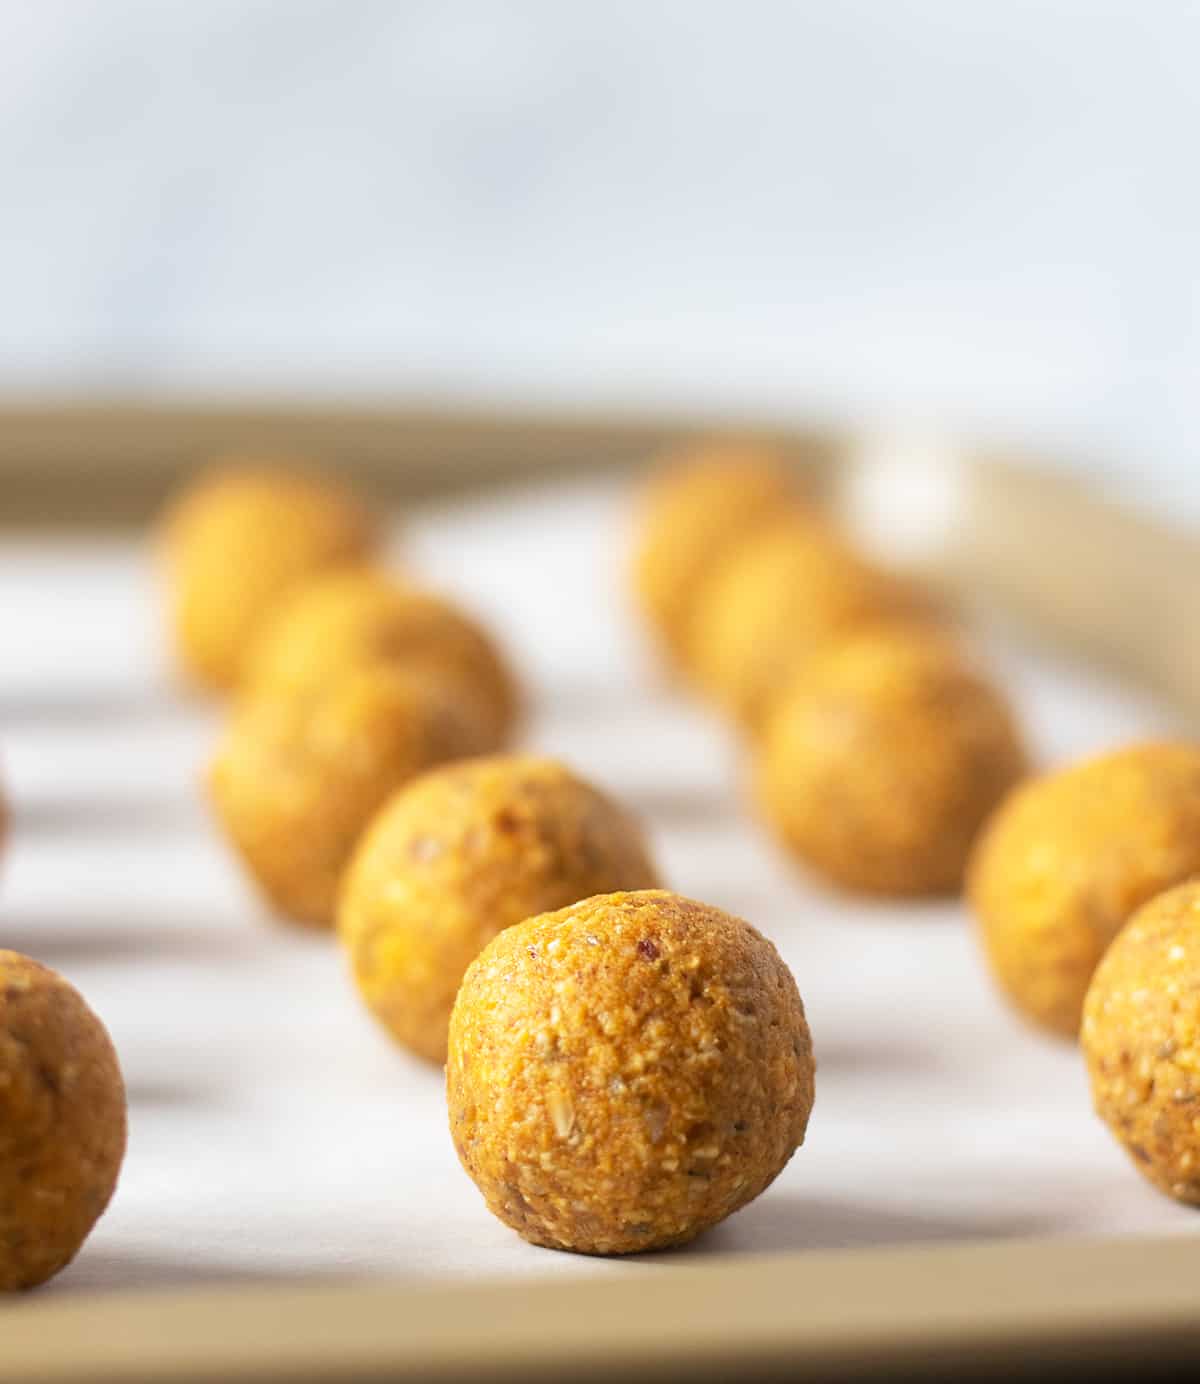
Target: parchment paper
x: 276, y: 1133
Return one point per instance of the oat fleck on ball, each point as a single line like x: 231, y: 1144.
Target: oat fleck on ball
x: 456, y: 856
x: 365, y: 616
x: 1068, y: 858
x: 241, y: 538
x: 62, y: 1122
x: 777, y: 602
x: 627, y: 1072
x: 299, y: 776
x: 881, y: 764
x: 1141, y: 1039
x: 702, y: 501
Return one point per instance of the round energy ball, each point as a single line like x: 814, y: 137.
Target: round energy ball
x: 1141, y: 1038
x: 1068, y: 858
x: 456, y: 856
x: 62, y: 1122
x: 235, y: 543
x: 881, y: 763
x: 364, y: 616
x: 776, y: 602
x: 703, y: 501
x: 299, y: 775
x: 627, y: 1072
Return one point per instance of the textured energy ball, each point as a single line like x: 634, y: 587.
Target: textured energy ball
x: 882, y: 762
x: 239, y: 540
x: 62, y: 1122
x: 458, y: 855
x: 365, y: 616
x: 1141, y: 1038
x: 702, y: 502
x: 299, y: 775
x: 1068, y: 858
x: 776, y: 602
x: 627, y: 1072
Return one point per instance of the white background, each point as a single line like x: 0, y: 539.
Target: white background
x: 927, y: 212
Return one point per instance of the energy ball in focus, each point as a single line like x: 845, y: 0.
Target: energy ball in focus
x: 701, y: 503
x: 237, y: 542
x: 627, y: 1072
x: 776, y: 602
x: 364, y: 616
x: 1141, y: 1039
x: 1068, y: 858
x: 458, y: 855
x: 880, y: 765
x: 298, y: 776
x: 62, y: 1122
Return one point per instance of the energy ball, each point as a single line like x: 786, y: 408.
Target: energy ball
x: 776, y: 602
x: 458, y: 855
x: 299, y: 775
x: 1141, y: 1038
x: 627, y: 1072
x: 364, y: 616
x: 62, y: 1122
x: 702, y: 502
x: 881, y: 764
x: 1068, y: 858
x: 235, y: 543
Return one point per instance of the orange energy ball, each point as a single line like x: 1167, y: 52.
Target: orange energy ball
x: 776, y: 602
x: 62, y: 1122
x: 701, y: 503
x: 1141, y: 1039
x: 1068, y: 858
x: 461, y: 853
x: 625, y: 1073
x: 881, y: 763
x: 364, y: 616
x: 299, y: 775
x: 239, y: 540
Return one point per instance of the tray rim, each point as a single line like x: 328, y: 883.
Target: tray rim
x: 824, y: 1314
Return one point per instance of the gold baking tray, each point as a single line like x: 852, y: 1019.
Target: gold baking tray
x: 949, y: 1312
x: 1073, y: 567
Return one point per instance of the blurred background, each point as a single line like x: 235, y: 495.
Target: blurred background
x: 974, y: 216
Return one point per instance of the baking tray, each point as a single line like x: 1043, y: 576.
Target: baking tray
x: 291, y: 1206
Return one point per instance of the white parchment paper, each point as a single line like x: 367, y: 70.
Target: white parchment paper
x: 275, y: 1132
